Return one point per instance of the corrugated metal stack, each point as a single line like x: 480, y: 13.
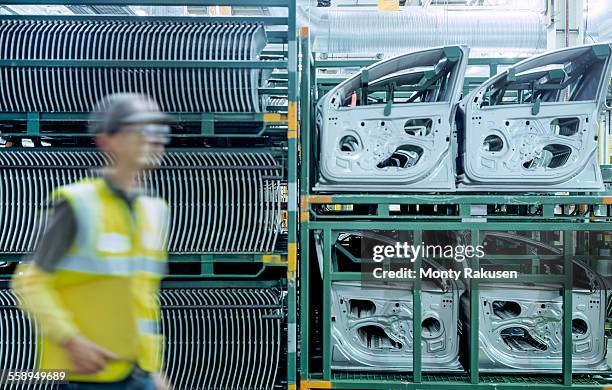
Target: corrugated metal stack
x: 221, y: 202
x: 77, y: 88
x: 227, y: 192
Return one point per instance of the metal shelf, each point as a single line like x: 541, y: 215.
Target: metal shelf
x: 418, y: 213
x: 266, y: 20
x: 279, y: 120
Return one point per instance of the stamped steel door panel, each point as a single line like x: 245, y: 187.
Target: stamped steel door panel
x: 520, y: 329
x: 372, y: 328
x: 534, y: 126
x: 388, y: 128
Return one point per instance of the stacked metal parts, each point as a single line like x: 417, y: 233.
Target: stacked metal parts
x: 221, y: 202
x: 520, y: 329
x: 389, y: 128
x: 42, y: 87
x: 223, y: 338
x: 389, y: 316
x: 224, y: 176
x: 18, y: 336
x: 487, y: 31
x: 534, y: 126
x: 520, y: 325
x: 372, y: 328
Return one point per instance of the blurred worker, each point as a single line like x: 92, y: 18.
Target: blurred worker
x: 93, y: 281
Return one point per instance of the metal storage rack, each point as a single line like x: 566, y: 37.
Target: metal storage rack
x: 332, y: 213
x: 276, y: 124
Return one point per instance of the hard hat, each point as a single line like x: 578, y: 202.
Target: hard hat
x: 119, y: 109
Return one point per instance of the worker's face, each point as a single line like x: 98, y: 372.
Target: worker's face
x: 134, y: 148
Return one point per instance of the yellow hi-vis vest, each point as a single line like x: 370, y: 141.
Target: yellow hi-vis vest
x: 110, y: 277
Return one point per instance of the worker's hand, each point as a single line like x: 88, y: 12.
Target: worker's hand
x: 161, y: 382
x: 86, y: 356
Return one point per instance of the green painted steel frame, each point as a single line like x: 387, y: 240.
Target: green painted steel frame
x: 443, y: 382
x: 307, y: 99
x: 325, y: 84
x: 206, y: 263
x: 464, y: 203
x: 223, y: 283
x: 328, y: 225
x: 266, y: 20
x: 208, y: 120
x: 288, y: 38
x: 330, y: 229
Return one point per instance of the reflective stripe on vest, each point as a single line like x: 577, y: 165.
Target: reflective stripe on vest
x: 116, y: 266
x: 148, y: 327
x: 85, y: 200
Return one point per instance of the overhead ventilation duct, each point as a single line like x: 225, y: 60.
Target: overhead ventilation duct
x: 37, y: 9
x: 99, y: 10
x: 367, y: 31
x: 598, y: 22
x: 159, y: 11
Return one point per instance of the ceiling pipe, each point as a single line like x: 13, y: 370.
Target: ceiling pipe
x: 489, y: 31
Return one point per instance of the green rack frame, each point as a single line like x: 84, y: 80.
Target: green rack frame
x: 283, y: 122
x: 327, y: 83
x: 466, y: 217
x: 273, y: 121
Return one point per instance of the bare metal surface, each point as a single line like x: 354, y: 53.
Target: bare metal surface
x: 223, y: 338
x: 526, y: 335
x: 486, y: 31
x: 372, y: 323
x: 77, y: 89
x: 215, y: 338
x: 220, y: 202
x: 372, y: 328
x: 526, y: 129
x: 402, y: 143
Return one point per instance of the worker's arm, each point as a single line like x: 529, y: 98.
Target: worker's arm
x: 34, y: 279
